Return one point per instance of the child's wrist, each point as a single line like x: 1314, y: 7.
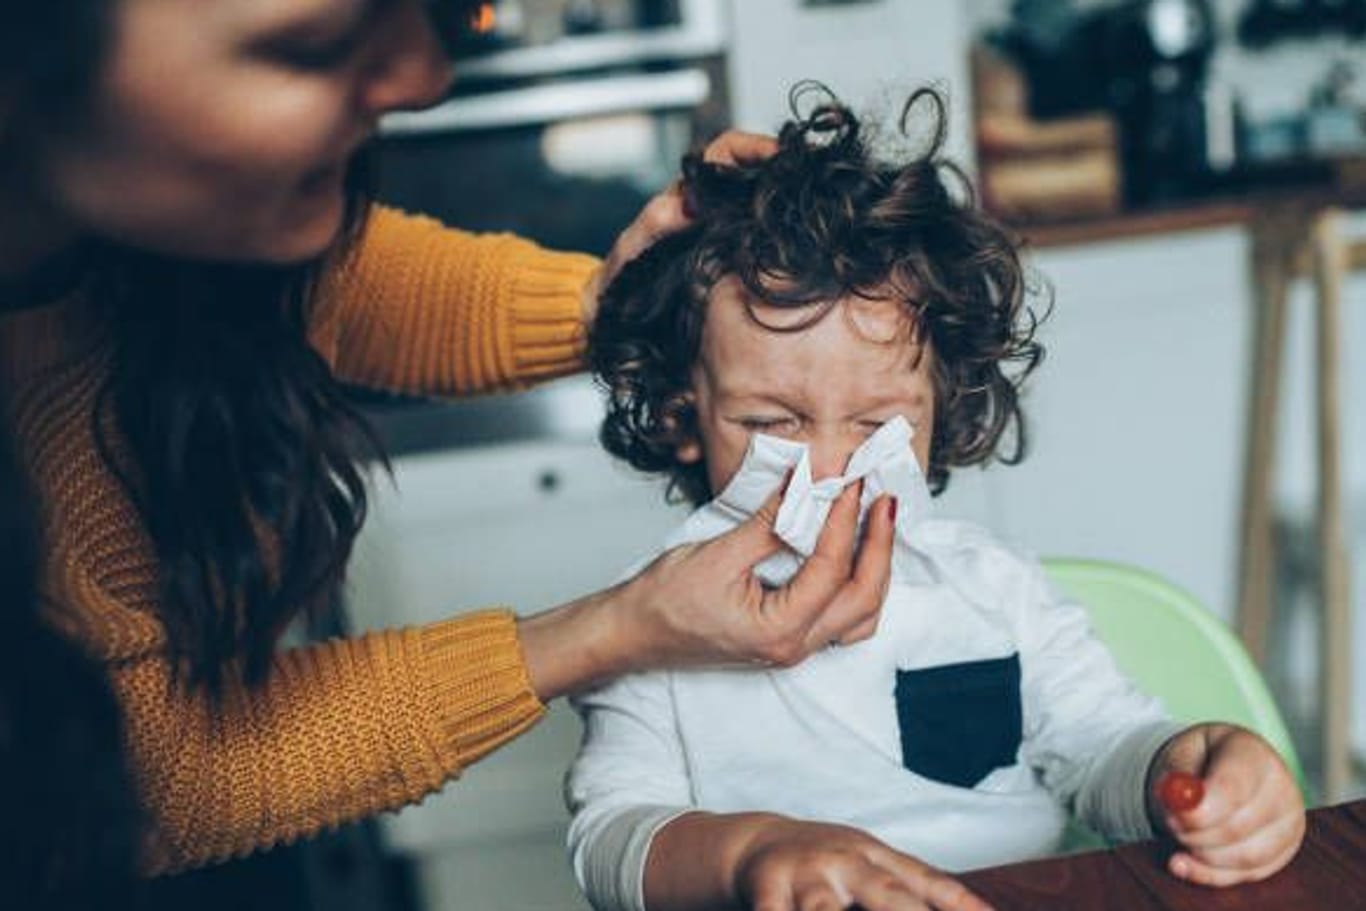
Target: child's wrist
x: 1156, y: 768
x: 1161, y: 764
x: 755, y: 835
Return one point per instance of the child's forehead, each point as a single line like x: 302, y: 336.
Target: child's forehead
x: 756, y: 343
x: 882, y: 315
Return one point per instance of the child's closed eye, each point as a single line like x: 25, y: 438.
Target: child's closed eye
x: 869, y: 426
x: 758, y: 424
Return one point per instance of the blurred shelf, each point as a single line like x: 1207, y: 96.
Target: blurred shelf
x: 1130, y: 225
x: 1340, y: 184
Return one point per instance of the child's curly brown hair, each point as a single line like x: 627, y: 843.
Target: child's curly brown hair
x: 822, y: 219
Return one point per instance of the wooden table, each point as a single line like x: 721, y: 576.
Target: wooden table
x: 1329, y: 874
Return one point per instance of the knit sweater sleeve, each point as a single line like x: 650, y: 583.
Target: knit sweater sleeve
x: 340, y: 731
x: 420, y: 308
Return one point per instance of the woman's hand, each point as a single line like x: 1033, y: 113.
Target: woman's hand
x: 1250, y: 821
x: 667, y: 212
x: 701, y: 604
x: 775, y: 863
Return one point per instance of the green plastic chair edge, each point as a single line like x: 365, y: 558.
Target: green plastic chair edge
x: 1246, y: 677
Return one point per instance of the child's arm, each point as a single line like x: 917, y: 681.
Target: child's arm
x: 629, y: 778
x: 1088, y: 730
x: 637, y: 839
x: 1100, y: 744
x: 707, y: 861
x: 1249, y: 822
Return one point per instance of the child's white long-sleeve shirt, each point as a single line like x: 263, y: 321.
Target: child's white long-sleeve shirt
x: 961, y: 733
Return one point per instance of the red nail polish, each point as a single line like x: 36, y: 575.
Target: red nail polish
x: 891, y: 510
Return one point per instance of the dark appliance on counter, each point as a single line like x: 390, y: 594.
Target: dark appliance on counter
x: 565, y: 117
x: 1158, y: 52
x: 1144, y: 61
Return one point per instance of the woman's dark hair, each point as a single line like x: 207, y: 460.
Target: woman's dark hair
x: 238, y: 446
x: 230, y: 433
x: 71, y: 822
x: 822, y: 219
x: 49, y: 53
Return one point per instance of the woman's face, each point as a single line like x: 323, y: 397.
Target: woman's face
x: 223, y: 130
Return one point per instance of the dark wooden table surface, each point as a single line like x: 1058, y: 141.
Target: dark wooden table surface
x: 1329, y: 874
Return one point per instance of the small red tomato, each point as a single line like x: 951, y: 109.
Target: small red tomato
x: 1180, y: 792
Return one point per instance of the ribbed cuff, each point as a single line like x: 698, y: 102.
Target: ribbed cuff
x: 1116, y: 804
x: 545, y: 314
x: 611, y: 871
x: 479, y: 682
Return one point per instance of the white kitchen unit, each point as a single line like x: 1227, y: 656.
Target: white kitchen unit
x: 528, y: 525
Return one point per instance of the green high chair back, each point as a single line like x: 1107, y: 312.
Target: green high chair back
x: 1175, y: 649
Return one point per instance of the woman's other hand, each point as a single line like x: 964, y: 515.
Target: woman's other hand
x: 1249, y: 821
x: 701, y: 604
x: 774, y: 863
x: 667, y: 212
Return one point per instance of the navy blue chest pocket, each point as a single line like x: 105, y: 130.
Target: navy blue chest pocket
x: 960, y: 721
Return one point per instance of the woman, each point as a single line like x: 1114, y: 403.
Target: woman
x: 187, y: 270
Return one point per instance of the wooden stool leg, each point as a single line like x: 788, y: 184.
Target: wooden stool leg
x: 1329, y: 265
x: 1272, y: 254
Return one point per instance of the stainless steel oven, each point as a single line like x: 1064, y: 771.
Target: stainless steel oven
x: 565, y: 117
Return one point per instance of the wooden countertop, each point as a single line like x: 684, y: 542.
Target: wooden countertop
x: 1342, y: 184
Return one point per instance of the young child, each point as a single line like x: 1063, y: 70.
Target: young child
x: 836, y: 317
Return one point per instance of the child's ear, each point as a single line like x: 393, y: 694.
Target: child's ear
x: 689, y: 451
x: 681, y: 419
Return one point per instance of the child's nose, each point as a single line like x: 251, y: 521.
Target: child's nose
x: 830, y: 455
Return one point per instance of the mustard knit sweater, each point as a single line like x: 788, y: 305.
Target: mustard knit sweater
x: 342, y: 730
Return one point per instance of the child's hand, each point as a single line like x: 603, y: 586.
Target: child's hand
x: 794, y: 864
x: 1250, y: 820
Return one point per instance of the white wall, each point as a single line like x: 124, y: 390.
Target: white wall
x: 1136, y: 412
x: 872, y: 54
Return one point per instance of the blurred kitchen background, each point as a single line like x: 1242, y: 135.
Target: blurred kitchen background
x: 1137, y: 146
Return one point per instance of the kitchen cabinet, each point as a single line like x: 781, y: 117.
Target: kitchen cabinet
x: 526, y: 524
